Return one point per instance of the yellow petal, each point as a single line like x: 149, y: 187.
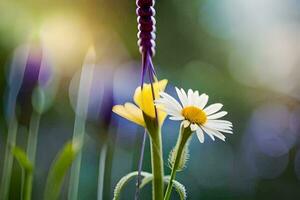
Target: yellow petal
x: 144, y: 98
x: 130, y: 113
x: 161, y: 116
x: 135, y: 112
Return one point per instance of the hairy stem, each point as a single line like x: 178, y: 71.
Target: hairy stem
x: 184, y: 135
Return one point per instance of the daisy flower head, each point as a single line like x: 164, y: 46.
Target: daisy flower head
x: 194, y: 113
x: 144, y: 104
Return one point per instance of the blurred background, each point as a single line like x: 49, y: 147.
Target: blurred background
x: 242, y: 53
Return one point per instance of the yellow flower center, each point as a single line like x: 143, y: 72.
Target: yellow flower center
x: 194, y: 114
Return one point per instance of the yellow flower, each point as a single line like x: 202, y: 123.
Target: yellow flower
x: 144, y: 101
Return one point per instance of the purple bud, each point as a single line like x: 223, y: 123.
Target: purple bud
x: 100, y: 99
x: 101, y: 102
x: 29, y: 68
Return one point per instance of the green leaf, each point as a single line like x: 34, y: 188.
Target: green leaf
x: 22, y: 158
x: 180, y: 189
x: 146, y: 180
x: 178, y: 186
x: 123, y: 181
x: 27, y: 169
x: 59, y: 168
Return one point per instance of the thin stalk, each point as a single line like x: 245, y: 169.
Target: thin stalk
x: 108, y: 166
x: 31, y: 153
x: 80, y: 119
x: 33, y: 136
x: 78, y: 134
x: 8, y: 159
x: 155, y: 144
x: 27, y: 186
x: 157, y: 166
x: 102, y: 160
x: 184, y: 135
x: 138, y: 180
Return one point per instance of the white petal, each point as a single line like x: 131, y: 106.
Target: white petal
x: 218, y: 125
x: 185, y: 123
x: 171, y: 100
x: 194, y: 127
x: 221, y: 129
x: 217, y: 115
x: 167, y: 99
x: 202, y: 100
x: 195, y: 97
x: 164, y: 104
x: 171, y: 112
x: 226, y: 131
x: 190, y: 96
x: 177, y: 118
x: 222, y: 122
x: 213, y: 108
x: 200, y: 135
x: 214, y: 132
x: 182, y: 97
x: 161, y: 102
x: 211, y: 136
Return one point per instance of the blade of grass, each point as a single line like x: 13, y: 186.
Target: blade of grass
x: 80, y: 119
x: 59, y: 168
x: 27, y: 172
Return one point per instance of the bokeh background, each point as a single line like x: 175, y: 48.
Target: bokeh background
x: 243, y: 53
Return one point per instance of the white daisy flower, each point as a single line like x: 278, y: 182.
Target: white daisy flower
x: 193, y: 112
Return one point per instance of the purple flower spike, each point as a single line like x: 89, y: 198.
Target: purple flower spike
x: 146, y: 35
x: 146, y: 26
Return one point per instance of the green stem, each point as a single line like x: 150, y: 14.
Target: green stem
x: 31, y: 152
x: 8, y: 159
x: 108, y: 168
x: 78, y: 135
x: 184, y: 135
x: 27, y: 186
x: 157, y: 166
x: 80, y: 119
x: 101, y: 174
x: 33, y: 136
